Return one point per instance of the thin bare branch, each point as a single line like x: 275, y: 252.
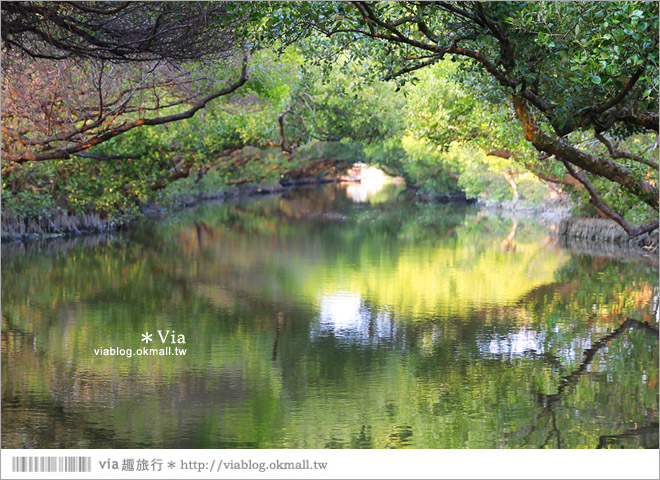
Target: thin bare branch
x: 64, y: 153
x: 615, y: 153
x: 412, y: 68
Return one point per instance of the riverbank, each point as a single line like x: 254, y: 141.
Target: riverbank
x: 64, y: 224
x: 580, y: 234
x: 585, y: 234
x: 549, y: 213
x: 247, y: 171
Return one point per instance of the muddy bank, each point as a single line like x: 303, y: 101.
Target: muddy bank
x: 551, y: 212
x: 67, y: 225
x: 577, y: 230
x: 582, y: 235
x: 595, y: 248
x: 56, y: 224
x: 599, y: 232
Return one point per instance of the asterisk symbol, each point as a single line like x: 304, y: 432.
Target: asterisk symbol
x: 146, y: 337
x: 171, y: 465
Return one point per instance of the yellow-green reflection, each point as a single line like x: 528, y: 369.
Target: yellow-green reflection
x: 313, y: 321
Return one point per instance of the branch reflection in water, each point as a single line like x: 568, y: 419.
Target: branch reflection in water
x: 313, y: 321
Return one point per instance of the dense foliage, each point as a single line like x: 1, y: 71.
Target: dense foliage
x: 570, y: 70
x: 501, y: 100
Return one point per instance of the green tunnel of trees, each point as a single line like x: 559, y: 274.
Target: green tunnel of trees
x: 106, y: 106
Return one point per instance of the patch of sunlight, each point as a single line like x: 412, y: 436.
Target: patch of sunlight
x: 345, y: 314
x: 341, y: 310
x: 365, y: 181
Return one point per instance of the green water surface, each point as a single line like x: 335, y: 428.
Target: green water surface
x: 326, y: 319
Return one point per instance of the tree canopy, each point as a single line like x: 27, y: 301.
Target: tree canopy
x: 569, y: 69
x: 565, y: 90
x: 122, y: 31
x: 76, y: 74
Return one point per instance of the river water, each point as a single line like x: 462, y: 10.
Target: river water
x: 327, y: 318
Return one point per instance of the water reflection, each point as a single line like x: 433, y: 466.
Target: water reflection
x: 345, y: 315
x: 516, y: 343
x: 313, y: 321
x: 368, y: 184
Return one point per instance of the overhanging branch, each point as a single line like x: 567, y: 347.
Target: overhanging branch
x: 603, y: 207
x: 65, y: 153
x: 615, y: 153
x: 602, y: 167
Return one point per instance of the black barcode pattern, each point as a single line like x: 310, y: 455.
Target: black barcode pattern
x: 51, y: 464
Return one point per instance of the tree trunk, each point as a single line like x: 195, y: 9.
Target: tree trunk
x: 508, y: 176
x: 280, y: 120
x: 602, y: 167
